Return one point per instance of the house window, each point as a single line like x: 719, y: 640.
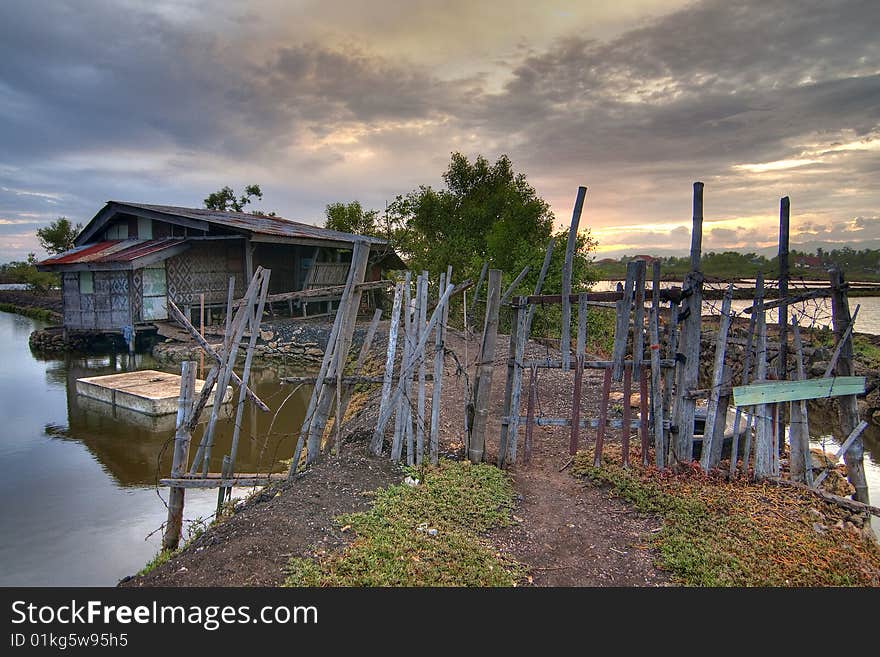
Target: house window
x: 145, y: 228
x: 86, y: 282
x: 118, y: 231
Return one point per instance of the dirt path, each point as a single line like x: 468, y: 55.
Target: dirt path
x: 566, y: 533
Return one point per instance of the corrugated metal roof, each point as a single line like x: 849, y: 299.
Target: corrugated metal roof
x: 261, y: 224
x: 111, y: 251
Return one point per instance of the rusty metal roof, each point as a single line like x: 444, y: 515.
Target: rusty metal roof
x: 111, y: 251
x: 259, y: 224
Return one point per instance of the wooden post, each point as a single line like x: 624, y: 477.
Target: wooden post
x: 400, y: 413
x: 621, y: 329
x: 530, y: 413
x: 512, y: 287
x: 639, y: 314
x: 545, y: 266
x: 656, y: 394
x: 576, y: 405
x: 348, y: 309
x: 342, y: 403
x: 581, y: 348
x: 643, y: 412
x: 685, y: 407
x: 603, y: 418
x: 439, y: 343
x: 476, y: 298
x: 227, y: 363
x: 746, y: 373
x: 565, y: 343
x: 230, y: 293
x: 626, y: 429
x: 485, y: 369
x: 848, y: 410
x: 669, y: 378
x: 713, y: 434
x: 377, y: 440
x: 782, y: 361
x: 202, y: 333
x: 407, y: 371
x: 763, y: 425
x: 245, y: 373
x: 799, y: 435
x: 420, y: 399
x: 510, y: 410
x: 174, y: 523
x: 325, y: 369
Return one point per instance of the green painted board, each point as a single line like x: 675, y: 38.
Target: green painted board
x: 769, y: 392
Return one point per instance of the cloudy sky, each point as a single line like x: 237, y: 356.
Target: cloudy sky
x: 325, y: 100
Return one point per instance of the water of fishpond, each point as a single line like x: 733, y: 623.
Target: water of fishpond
x: 78, y: 484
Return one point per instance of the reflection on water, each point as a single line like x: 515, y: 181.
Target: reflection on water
x: 78, y: 479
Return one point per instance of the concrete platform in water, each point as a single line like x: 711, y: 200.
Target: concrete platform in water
x: 147, y: 391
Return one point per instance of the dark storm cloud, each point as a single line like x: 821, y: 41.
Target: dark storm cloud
x: 716, y: 81
x: 101, y: 99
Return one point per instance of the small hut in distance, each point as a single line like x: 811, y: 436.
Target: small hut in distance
x: 131, y: 258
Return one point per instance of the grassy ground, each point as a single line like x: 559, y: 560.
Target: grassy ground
x: 718, y: 533
x: 425, y: 535
x: 33, y: 313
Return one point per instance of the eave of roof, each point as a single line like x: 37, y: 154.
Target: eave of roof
x: 113, y: 252
x: 256, y: 224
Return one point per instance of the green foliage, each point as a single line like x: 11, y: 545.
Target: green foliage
x: 225, y: 200
x: 485, y: 213
x: 38, y: 282
x: 351, y: 218
x: 58, y: 236
x: 162, y: 556
x: 40, y: 314
x: 396, y: 543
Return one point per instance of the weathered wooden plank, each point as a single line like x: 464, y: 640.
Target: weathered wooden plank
x: 439, y: 341
x: 581, y: 347
x: 683, y: 416
x: 420, y: 396
x: 174, y: 522
x: 603, y: 418
x: 771, y: 392
x: 639, y: 315
x: 485, y: 369
x: 709, y: 433
x: 576, y: 406
x: 377, y: 439
x: 408, y: 371
x: 512, y: 381
x: 847, y: 407
x: 585, y: 423
x: 217, y: 481
x: 840, y: 343
x: 763, y: 426
x: 474, y: 301
x: 799, y: 434
x: 348, y: 308
x: 746, y: 373
x: 246, y: 370
x: 626, y: 429
x: 398, y: 408
x: 656, y: 392
x: 853, y: 436
x: 570, y: 247
x: 530, y: 414
x: 555, y: 364
x: 512, y: 287
x: 669, y: 378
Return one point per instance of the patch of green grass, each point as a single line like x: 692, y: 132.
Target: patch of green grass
x: 34, y: 313
x: 396, y: 543
x: 717, y: 533
x: 162, y: 556
x: 867, y: 352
